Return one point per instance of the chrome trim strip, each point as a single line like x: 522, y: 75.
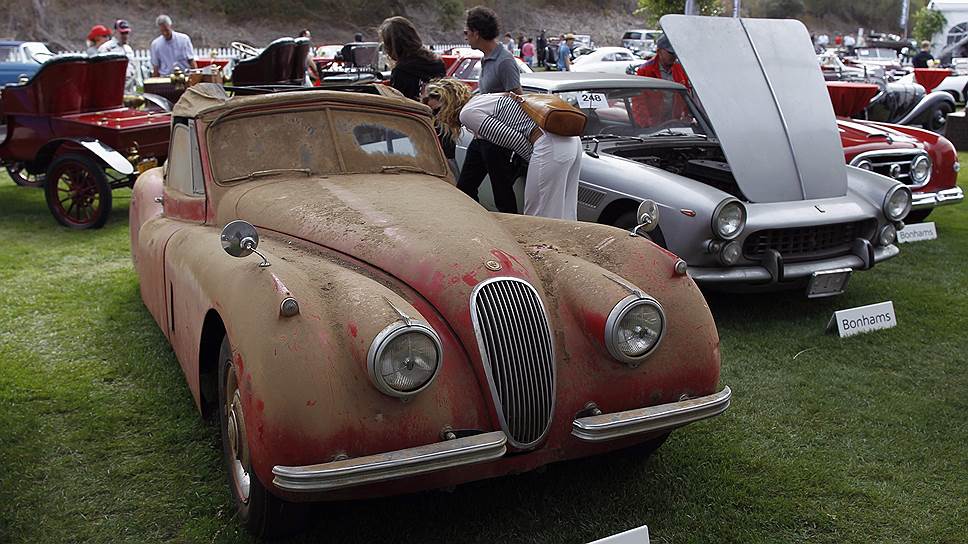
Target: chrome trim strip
x: 392, y: 465
x: 651, y: 419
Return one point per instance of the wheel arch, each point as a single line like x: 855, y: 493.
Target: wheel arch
x: 614, y: 209
x: 106, y: 157
x: 210, y: 343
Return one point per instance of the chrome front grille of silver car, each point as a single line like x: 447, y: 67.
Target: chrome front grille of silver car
x: 518, y: 355
x: 811, y: 242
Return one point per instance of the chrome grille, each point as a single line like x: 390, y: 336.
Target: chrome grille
x: 812, y: 242
x: 518, y: 355
x: 893, y: 164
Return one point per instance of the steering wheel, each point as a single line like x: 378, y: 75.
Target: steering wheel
x: 244, y: 49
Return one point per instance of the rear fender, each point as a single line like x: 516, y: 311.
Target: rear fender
x: 106, y: 156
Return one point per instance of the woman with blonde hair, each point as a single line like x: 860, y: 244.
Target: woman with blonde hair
x: 554, y: 162
x: 415, y: 65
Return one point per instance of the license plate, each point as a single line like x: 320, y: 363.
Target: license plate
x: 827, y: 283
x: 147, y: 164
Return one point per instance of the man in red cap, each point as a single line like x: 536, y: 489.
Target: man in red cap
x: 119, y: 44
x: 97, y: 36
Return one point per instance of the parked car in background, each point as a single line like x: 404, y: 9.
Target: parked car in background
x: 467, y: 68
x: 392, y: 335
x: 743, y: 212
x: 21, y: 59
x: 923, y: 160
x: 880, y: 57
x: 66, y: 129
x: 609, y: 60
x: 641, y: 40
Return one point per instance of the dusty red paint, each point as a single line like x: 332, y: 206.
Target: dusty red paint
x: 470, y: 278
x: 352, y: 329
x: 310, y: 403
x: 595, y: 325
x: 508, y: 260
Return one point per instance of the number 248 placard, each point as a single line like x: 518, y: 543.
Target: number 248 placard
x: 590, y: 100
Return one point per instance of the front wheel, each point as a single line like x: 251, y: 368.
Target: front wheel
x: 939, y: 118
x: 78, y: 193
x: 262, y: 513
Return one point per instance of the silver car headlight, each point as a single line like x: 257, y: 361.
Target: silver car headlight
x: 729, y: 219
x: 634, y: 328
x: 404, y: 358
x: 897, y: 203
x: 887, y: 235
x: 920, y: 169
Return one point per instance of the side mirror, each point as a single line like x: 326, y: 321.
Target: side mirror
x: 647, y: 217
x: 240, y: 239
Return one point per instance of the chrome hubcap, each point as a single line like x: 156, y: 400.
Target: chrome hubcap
x: 238, y: 445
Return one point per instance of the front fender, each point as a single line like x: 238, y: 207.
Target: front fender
x: 928, y: 103
x: 306, y: 391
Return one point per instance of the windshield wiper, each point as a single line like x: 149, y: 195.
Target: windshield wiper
x: 270, y: 172
x: 396, y: 169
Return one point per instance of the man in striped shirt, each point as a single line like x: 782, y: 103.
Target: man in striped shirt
x: 499, y: 73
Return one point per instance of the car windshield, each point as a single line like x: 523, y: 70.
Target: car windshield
x: 642, y: 113
x: 877, y: 53
x: 292, y: 142
x: 632, y: 36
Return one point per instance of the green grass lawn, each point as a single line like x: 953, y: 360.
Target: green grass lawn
x: 828, y: 440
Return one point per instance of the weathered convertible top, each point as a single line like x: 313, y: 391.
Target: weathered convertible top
x: 758, y: 81
x: 209, y: 100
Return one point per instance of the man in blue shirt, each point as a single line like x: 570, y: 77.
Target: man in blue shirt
x: 564, y: 53
x: 499, y: 74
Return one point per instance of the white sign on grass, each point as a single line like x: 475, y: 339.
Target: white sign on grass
x: 863, y: 319
x: 639, y: 535
x: 917, y: 232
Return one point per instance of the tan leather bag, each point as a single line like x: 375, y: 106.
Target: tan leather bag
x: 553, y: 114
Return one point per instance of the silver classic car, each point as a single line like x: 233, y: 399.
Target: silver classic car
x: 751, y: 184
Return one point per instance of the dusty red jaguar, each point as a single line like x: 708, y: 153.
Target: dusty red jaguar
x: 362, y: 328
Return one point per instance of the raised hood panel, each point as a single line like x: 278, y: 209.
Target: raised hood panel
x: 417, y: 228
x: 758, y: 81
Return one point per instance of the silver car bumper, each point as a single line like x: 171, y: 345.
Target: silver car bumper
x: 930, y: 200
x: 488, y: 446
x: 392, y: 465
x: 792, y: 271
x: 653, y: 419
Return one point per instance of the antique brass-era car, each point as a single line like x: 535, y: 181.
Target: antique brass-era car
x: 394, y: 335
x: 67, y: 129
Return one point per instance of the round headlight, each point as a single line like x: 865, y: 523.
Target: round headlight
x: 404, y: 358
x: 729, y: 219
x: 920, y: 169
x: 897, y: 203
x: 887, y: 236
x: 730, y: 253
x: 865, y: 165
x: 634, y: 328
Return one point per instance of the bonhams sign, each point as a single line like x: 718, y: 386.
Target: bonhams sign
x: 863, y: 319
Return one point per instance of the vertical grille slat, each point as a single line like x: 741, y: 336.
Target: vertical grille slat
x: 518, y: 355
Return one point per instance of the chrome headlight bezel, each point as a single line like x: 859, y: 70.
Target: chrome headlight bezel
x: 887, y: 201
x: 384, y: 339
x: 921, y: 159
x: 714, y: 225
x: 619, y: 311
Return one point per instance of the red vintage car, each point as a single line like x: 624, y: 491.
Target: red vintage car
x: 373, y: 331
x: 923, y: 160
x: 66, y: 129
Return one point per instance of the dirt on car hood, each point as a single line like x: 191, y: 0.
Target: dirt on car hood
x: 418, y: 228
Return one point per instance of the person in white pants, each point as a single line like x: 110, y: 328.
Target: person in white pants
x: 554, y: 162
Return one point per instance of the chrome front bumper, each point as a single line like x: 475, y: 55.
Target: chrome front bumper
x: 653, y: 419
x: 488, y: 446
x: 759, y: 274
x: 930, y: 200
x: 392, y: 465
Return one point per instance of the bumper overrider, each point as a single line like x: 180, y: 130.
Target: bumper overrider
x: 484, y: 447
x: 862, y: 257
x: 921, y: 201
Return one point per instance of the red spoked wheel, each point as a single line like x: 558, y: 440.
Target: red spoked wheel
x: 19, y: 174
x: 78, y: 193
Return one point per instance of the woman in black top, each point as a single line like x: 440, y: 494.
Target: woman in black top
x: 415, y: 65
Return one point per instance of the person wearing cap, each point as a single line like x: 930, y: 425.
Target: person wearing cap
x: 119, y: 44
x: 97, y: 36
x: 664, y: 65
x: 170, y: 50
x: 564, y: 53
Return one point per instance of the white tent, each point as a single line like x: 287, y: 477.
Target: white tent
x: 956, y: 29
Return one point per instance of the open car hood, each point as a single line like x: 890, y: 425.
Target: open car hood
x: 759, y: 84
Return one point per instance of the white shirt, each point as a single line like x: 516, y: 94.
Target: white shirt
x: 113, y: 46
